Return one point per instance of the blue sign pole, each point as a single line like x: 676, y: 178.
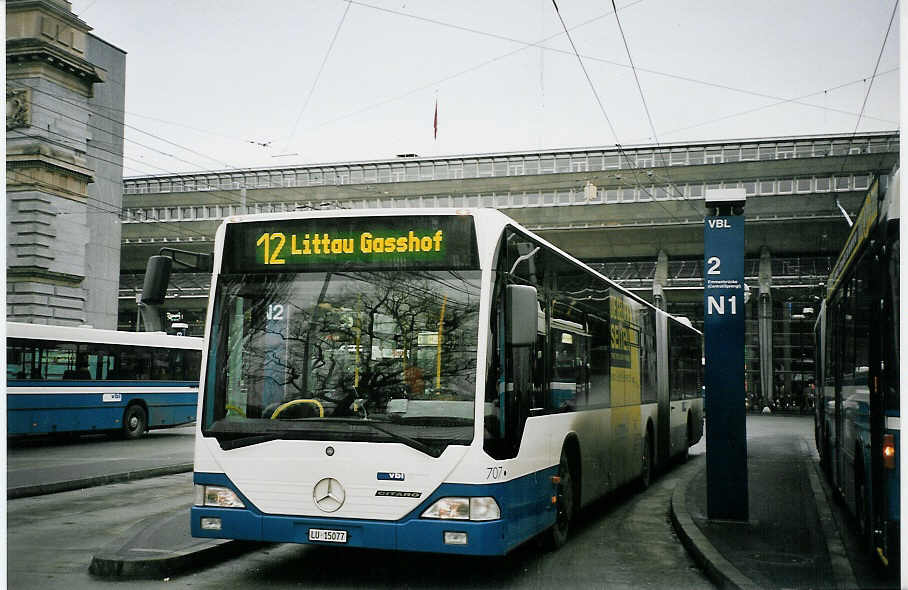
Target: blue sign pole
x: 723, y: 328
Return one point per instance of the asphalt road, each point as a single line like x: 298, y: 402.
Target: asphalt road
x: 40, y: 463
x: 623, y: 541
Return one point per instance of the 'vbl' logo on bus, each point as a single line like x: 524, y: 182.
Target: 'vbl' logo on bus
x: 390, y: 476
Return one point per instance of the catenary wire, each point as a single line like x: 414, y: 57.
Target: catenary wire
x: 876, y: 67
x: 318, y: 76
x: 539, y: 44
x: 633, y: 167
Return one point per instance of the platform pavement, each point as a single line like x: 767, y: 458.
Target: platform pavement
x: 790, y: 540
x: 157, y: 548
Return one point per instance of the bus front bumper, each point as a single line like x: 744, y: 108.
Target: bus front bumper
x: 435, y: 536
x: 526, y: 511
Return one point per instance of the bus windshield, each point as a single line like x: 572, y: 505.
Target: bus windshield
x: 384, y: 355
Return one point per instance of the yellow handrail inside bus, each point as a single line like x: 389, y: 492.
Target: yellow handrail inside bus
x: 296, y: 402
x: 441, y: 323
x: 233, y: 408
x: 358, y: 326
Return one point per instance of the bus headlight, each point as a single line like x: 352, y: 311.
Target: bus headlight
x: 217, y: 496
x: 484, y: 508
x: 480, y: 508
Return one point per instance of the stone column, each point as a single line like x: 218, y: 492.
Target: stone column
x: 49, y: 89
x: 660, y: 279
x: 765, y: 327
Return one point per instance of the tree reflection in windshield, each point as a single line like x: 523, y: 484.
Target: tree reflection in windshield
x: 392, y: 346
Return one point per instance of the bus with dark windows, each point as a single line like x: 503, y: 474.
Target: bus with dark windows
x: 77, y: 380
x: 857, y: 421
x: 436, y: 380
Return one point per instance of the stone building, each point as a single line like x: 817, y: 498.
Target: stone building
x: 65, y: 91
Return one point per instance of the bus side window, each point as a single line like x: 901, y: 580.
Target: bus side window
x: 161, y: 369
x: 15, y: 362
x: 178, y: 364
x: 23, y: 359
x: 600, y: 362
x: 100, y: 360
x: 649, y: 392
x: 193, y: 364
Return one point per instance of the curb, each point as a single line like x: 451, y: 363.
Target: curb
x: 100, y: 480
x: 841, y: 565
x: 124, y: 558
x: 718, y: 569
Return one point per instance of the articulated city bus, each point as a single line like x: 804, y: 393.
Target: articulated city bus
x: 857, y: 415
x: 72, y: 380
x: 426, y: 380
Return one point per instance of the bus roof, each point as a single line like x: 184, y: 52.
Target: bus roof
x: 96, y: 335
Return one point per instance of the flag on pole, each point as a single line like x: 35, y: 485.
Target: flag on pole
x: 435, y: 124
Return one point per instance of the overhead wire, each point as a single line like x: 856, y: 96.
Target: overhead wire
x: 633, y: 163
x: 462, y: 28
x: 526, y: 44
x: 459, y: 73
x: 649, y: 116
x: 109, y: 209
x: 585, y: 73
x: 52, y: 141
x: 137, y: 129
x: 114, y: 109
x: 876, y: 67
x: 539, y: 44
x: 318, y: 76
x: 103, y: 130
x: 777, y: 103
x: 220, y: 192
x: 293, y: 190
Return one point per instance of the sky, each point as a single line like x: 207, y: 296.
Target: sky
x: 222, y: 84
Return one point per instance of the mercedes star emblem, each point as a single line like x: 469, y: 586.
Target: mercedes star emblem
x: 328, y: 494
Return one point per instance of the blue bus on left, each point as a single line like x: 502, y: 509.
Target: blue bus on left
x: 81, y: 380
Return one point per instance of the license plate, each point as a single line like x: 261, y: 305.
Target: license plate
x: 327, y: 536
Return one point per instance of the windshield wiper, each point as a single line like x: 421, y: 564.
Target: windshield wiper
x: 432, y: 420
x: 247, y: 441
x: 410, y: 442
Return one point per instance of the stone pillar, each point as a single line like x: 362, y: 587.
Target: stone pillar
x: 765, y: 327
x: 50, y: 208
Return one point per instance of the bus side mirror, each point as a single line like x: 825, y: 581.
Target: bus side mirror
x: 523, y: 311
x: 157, y: 277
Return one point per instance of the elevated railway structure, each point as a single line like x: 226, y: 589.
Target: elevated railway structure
x: 635, y: 212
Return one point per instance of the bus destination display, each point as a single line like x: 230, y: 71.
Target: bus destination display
x: 357, y: 242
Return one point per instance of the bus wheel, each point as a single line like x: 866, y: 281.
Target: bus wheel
x: 685, y: 454
x: 557, y: 535
x: 135, y: 421
x: 646, y: 476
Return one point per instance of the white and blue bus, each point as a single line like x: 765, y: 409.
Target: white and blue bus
x: 71, y: 380
x: 858, y: 419
x: 426, y: 380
